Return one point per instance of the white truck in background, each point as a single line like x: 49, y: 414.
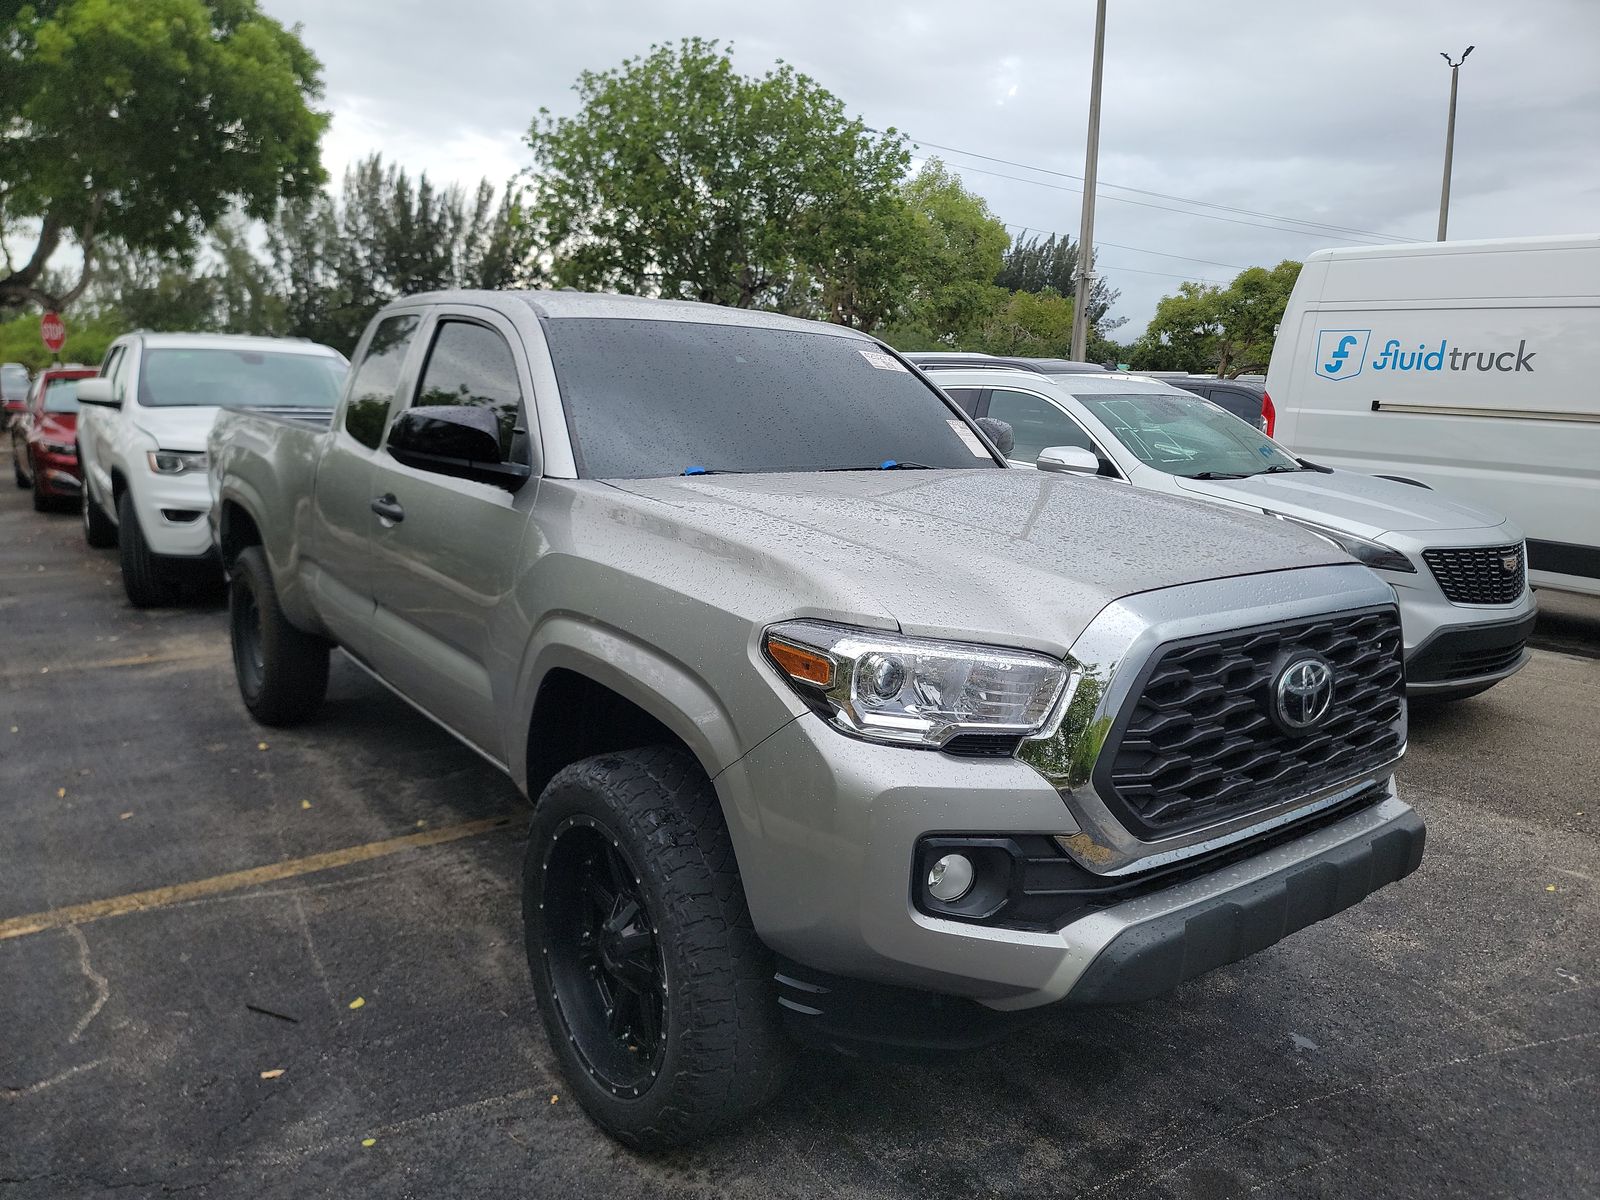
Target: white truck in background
x: 1469, y: 367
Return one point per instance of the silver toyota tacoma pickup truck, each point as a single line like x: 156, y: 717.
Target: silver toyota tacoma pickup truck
x: 835, y: 728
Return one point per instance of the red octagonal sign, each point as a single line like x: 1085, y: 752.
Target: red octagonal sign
x: 53, y: 330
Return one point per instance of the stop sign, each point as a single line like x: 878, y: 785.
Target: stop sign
x: 53, y: 330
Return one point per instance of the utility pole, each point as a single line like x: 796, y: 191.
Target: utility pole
x: 1091, y: 163
x: 1449, y: 139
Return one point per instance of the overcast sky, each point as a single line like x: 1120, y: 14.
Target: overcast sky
x: 1327, y: 112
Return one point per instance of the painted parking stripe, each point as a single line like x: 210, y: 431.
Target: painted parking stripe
x: 162, y: 897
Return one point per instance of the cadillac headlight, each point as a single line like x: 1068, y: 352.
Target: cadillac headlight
x: 176, y: 462
x: 915, y: 691
x: 1369, y: 553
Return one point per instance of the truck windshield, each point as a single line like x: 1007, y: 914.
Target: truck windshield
x: 61, y: 395
x: 647, y: 399
x: 173, y: 378
x: 1184, y: 435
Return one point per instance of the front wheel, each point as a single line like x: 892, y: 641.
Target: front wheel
x: 656, y: 994
x: 146, y: 577
x: 98, y: 530
x: 282, y: 671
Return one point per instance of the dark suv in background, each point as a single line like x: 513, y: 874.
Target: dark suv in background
x: 1244, y: 398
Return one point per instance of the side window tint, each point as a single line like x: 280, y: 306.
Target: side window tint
x: 372, y: 391
x: 469, y: 364
x: 967, y: 398
x: 1036, y: 423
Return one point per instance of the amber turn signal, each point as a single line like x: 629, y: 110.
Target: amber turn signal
x: 802, y: 664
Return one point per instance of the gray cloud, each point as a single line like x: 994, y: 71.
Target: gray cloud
x: 1331, y: 113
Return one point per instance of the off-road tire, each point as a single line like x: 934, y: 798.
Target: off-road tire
x: 98, y: 530
x: 282, y: 671
x: 148, y: 580
x: 724, y: 1053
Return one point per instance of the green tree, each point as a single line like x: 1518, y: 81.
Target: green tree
x: 1184, y: 334
x: 960, y: 251
x: 1029, y: 325
x: 1249, y: 310
x: 144, y: 124
x: 680, y: 177
x: 1033, y: 264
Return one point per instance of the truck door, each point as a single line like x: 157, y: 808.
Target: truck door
x: 446, y: 553
x: 340, y: 553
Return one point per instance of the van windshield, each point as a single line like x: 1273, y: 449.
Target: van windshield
x: 1185, y: 435
x: 649, y: 398
x: 176, y: 378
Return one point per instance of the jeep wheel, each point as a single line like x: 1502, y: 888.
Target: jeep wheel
x: 282, y: 672
x: 98, y: 530
x: 146, y: 578
x: 655, y: 991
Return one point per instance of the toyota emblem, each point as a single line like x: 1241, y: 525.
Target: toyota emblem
x: 1303, y: 694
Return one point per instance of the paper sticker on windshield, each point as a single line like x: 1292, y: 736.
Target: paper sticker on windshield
x: 884, y: 362
x: 969, y: 438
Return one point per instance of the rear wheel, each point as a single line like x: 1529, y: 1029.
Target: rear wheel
x: 655, y: 991
x: 98, y: 530
x: 16, y: 467
x: 148, y: 580
x: 282, y: 671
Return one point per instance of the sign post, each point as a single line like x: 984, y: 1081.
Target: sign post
x: 54, y: 332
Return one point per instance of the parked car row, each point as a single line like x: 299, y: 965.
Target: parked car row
x: 839, y: 727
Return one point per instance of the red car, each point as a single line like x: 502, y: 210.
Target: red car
x: 44, y: 452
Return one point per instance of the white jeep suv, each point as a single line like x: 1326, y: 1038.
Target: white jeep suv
x: 142, y: 430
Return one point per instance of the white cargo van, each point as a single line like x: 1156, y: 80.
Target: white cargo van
x: 1471, y: 367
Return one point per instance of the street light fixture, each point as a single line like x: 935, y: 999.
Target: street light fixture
x: 1449, y: 139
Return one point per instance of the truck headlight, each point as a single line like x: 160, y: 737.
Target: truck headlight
x: 1369, y: 553
x: 915, y: 691
x: 176, y: 462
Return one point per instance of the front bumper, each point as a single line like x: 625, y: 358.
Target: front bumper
x: 1469, y: 656
x: 56, y: 474
x: 172, y: 513
x: 826, y: 828
x: 1132, y: 952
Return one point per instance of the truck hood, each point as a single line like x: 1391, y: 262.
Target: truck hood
x: 178, y: 427
x: 1348, y: 501
x: 1024, y: 557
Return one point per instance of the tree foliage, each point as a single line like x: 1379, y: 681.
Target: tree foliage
x: 1228, y: 331
x: 144, y: 123
x: 680, y: 177
x: 1034, y: 264
x: 960, y: 244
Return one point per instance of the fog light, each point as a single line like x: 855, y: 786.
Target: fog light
x: 950, y: 879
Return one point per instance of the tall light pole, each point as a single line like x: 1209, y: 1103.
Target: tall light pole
x: 1091, y: 162
x: 1449, y: 139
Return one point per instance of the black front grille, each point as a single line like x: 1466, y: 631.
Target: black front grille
x: 1479, y: 574
x: 1201, y: 743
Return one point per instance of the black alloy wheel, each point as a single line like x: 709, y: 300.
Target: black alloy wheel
x: 603, y: 958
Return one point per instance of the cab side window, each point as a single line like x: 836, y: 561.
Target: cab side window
x: 470, y: 364
x: 1036, y: 423
x: 372, y: 390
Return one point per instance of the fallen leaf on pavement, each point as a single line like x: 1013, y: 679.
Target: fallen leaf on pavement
x: 272, y: 1074
x: 305, y: 804
x: 125, y: 816
x: 369, y: 1141
x: 261, y: 745
x: 358, y: 1002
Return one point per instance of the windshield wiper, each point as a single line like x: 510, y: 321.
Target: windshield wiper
x: 710, y: 471
x: 1277, y: 469
x: 1216, y: 475
x: 888, y: 464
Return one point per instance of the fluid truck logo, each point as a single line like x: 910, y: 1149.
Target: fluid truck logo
x: 1340, y: 352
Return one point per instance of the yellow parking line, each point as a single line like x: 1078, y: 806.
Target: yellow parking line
x: 116, y: 906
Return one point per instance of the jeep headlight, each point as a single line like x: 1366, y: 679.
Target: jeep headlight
x: 915, y: 691
x: 1365, y: 551
x: 176, y: 462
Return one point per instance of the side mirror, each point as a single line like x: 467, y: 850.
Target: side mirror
x: 462, y: 441
x: 97, y: 391
x: 1000, y: 433
x: 1069, y: 460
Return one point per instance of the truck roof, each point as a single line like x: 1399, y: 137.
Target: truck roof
x: 234, y: 341
x: 1571, y: 241
x: 556, y: 305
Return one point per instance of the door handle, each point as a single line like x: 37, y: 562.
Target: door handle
x: 387, y: 507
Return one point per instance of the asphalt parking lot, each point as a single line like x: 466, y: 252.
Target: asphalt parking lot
x: 1442, y: 1039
